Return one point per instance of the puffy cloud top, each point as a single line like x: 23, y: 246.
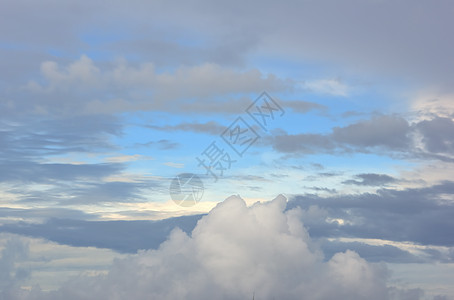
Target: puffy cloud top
x: 236, y: 252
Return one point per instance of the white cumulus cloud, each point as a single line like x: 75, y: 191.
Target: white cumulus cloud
x: 236, y: 252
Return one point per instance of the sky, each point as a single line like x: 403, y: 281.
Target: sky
x: 319, y: 135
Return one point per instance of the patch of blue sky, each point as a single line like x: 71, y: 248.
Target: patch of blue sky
x: 163, y: 146
x: 197, y: 161
x: 191, y: 145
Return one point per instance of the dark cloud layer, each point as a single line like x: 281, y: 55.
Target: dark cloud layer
x: 383, y: 131
x: 371, y: 253
x: 121, y: 236
x: 385, y: 134
x: 28, y: 172
x: 418, y: 215
x: 371, y: 179
x: 437, y: 134
x: 43, y: 214
x: 11, y: 274
x: 31, y: 138
x: 211, y: 127
x: 407, y: 38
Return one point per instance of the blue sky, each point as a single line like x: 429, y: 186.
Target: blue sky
x: 103, y: 105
